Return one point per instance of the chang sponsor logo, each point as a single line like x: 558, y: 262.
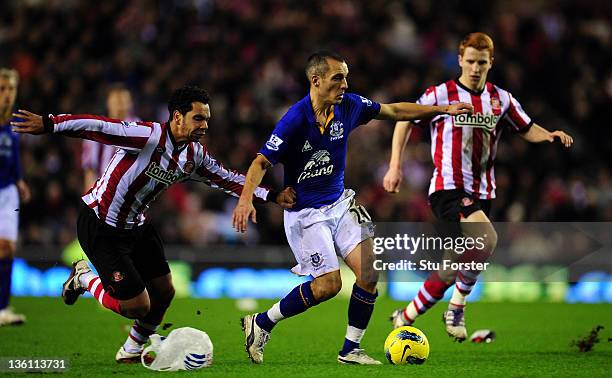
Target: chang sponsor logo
x: 158, y: 173
x: 478, y: 120
x: 318, y: 165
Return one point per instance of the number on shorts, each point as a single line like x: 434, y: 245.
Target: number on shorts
x: 360, y: 213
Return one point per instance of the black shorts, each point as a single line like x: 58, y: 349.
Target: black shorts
x: 125, y: 259
x: 454, y: 204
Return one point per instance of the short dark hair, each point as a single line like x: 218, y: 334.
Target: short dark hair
x: 317, y: 62
x: 182, y: 98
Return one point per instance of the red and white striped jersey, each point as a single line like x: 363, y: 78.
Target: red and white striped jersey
x: 147, y: 162
x: 463, y: 147
x: 96, y: 156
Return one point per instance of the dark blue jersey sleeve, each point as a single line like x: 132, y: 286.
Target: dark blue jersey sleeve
x: 278, y: 143
x: 363, y: 109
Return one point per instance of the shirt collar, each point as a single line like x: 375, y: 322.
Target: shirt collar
x: 310, y: 116
x: 309, y: 110
x: 175, y: 144
x: 477, y: 93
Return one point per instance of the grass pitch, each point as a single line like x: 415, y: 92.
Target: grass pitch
x: 532, y: 339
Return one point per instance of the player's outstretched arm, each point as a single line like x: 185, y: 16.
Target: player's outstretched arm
x: 393, y: 177
x: 245, y: 209
x: 231, y: 182
x: 408, y: 111
x: 538, y: 134
x: 129, y: 136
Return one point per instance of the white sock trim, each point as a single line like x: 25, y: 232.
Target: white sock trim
x: 472, y: 276
x: 418, y: 304
x: 411, y: 311
x: 100, y: 296
x: 137, y: 335
x: 427, y: 295
x: 464, y: 287
x: 94, y: 287
x: 132, y: 346
x: 458, y: 298
x: 86, y: 278
x: 274, y: 313
x: 354, y: 334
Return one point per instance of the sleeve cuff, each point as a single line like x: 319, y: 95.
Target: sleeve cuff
x: 48, y: 123
x: 271, y: 197
x: 268, y: 158
x: 525, y: 129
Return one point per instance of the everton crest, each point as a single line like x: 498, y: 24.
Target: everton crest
x: 316, y: 259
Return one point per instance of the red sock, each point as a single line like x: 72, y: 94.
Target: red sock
x: 98, y: 292
x: 431, y: 292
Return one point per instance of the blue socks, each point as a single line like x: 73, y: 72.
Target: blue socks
x: 263, y: 321
x: 359, y: 314
x: 296, y: 302
x: 301, y: 298
x: 6, y: 269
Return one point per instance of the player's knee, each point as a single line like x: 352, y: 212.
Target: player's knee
x: 326, y: 287
x: 329, y: 292
x: 7, y: 249
x: 334, y: 288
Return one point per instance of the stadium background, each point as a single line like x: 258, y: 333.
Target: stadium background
x: 554, y: 56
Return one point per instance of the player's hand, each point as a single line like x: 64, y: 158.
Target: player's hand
x: 31, y: 124
x: 459, y: 108
x: 393, y: 179
x: 242, y: 212
x: 24, y: 191
x: 563, y: 137
x: 286, y: 198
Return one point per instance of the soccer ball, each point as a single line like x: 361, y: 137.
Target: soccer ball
x: 406, y: 345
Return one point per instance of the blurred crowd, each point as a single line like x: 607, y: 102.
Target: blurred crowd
x: 554, y: 56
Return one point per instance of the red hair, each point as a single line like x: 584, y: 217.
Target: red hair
x: 479, y: 41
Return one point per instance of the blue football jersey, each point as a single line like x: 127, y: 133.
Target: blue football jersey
x: 314, y: 161
x: 10, y: 168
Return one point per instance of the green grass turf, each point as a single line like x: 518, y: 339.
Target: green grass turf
x: 533, y: 339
